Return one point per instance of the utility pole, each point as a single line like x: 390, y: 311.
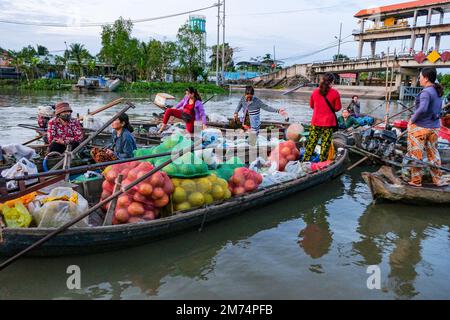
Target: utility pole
x: 218, y: 42
x: 340, y: 40
x: 274, y: 59
x: 223, y: 41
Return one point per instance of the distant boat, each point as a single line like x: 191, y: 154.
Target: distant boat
x: 99, y: 84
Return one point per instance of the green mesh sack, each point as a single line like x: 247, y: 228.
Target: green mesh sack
x: 187, y: 166
x: 225, y: 171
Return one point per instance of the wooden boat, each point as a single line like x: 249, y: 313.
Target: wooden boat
x: 96, y: 84
x: 100, y: 239
x: 385, y: 185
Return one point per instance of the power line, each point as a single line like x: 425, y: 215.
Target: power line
x: 284, y: 12
x: 98, y: 24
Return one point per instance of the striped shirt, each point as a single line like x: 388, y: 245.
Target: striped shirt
x: 253, y: 107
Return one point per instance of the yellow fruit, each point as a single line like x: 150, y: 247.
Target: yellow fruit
x: 179, y: 195
x: 188, y: 185
x: 208, y: 199
x: 196, y: 199
x: 228, y: 194
x: 212, y: 178
x: 176, y: 182
x: 204, y: 185
x: 217, y: 192
x: 183, y: 206
x: 222, y: 183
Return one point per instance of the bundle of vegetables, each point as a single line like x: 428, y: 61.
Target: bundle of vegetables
x: 144, y: 201
x: 244, y: 180
x: 194, y: 193
x: 283, y: 154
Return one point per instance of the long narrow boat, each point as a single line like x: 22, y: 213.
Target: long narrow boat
x: 385, y: 185
x: 100, y: 239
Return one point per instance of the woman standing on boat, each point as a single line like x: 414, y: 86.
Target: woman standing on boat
x: 325, y: 101
x: 123, y: 141
x: 423, y: 129
x: 251, y: 107
x: 190, y: 109
x: 63, y: 130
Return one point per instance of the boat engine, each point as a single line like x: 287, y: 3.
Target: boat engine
x: 380, y: 142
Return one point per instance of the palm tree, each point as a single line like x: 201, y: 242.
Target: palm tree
x: 18, y: 62
x: 79, y: 53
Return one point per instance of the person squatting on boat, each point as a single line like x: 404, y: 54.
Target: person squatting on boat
x: 355, y: 107
x: 63, y: 130
x: 190, y: 109
x: 325, y: 101
x: 123, y: 141
x: 251, y: 110
x: 346, y: 121
x: 424, y: 126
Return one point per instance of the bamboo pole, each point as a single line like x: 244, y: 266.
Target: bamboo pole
x: 105, y: 107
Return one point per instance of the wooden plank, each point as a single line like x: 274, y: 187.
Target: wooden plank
x: 36, y: 187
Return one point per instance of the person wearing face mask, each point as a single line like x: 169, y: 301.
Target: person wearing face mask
x: 63, y: 130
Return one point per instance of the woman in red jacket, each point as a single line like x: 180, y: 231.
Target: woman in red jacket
x: 325, y: 101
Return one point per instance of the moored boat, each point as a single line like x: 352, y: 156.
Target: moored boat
x: 385, y: 185
x: 99, y: 238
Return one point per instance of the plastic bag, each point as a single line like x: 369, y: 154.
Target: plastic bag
x: 18, y: 170
x: 48, y: 212
x: 194, y: 193
x: 277, y: 177
x: 16, y: 216
x: 296, y: 168
x: 19, y: 151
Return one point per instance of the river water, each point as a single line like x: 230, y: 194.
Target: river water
x: 317, y: 244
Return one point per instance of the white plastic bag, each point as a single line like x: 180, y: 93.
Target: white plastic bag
x: 258, y: 164
x: 277, y: 177
x: 18, y: 170
x: 55, y: 214
x: 296, y: 168
x: 19, y: 151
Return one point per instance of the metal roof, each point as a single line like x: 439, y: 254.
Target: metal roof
x: 396, y: 8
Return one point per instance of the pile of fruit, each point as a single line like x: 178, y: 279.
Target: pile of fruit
x: 194, y: 193
x: 144, y: 201
x: 244, y: 180
x: 283, y: 154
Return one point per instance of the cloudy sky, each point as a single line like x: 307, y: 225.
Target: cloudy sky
x: 295, y: 27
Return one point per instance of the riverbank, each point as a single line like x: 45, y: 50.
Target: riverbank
x: 134, y: 87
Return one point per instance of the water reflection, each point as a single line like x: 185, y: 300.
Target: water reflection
x: 316, y: 238
x: 394, y: 234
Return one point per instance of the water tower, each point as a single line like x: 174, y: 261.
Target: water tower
x: 198, y: 23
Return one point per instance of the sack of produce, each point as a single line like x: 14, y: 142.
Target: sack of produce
x: 194, y: 193
x: 144, y: 201
x: 283, y: 154
x: 244, y: 180
x: 59, y: 207
x: 16, y: 216
x: 18, y: 170
x: 187, y: 166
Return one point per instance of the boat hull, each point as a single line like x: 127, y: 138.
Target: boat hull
x: 101, y: 239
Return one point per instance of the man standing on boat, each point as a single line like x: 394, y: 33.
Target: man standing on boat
x: 423, y: 129
x: 355, y: 107
x: 251, y: 107
x: 63, y: 130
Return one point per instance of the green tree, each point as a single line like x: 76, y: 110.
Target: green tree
x: 229, y: 52
x: 340, y: 57
x: 42, y: 51
x: 18, y: 62
x: 117, y: 45
x: 79, y: 53
x: 190, y: 60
